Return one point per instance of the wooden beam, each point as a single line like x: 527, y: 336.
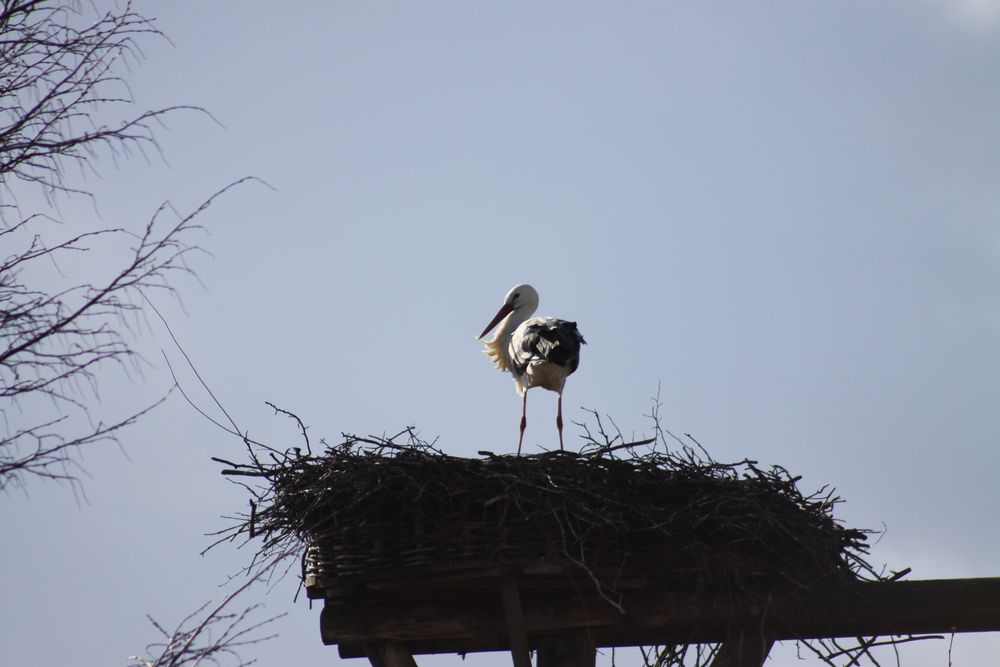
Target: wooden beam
x: 743, y: 649
x: 516, y: 634
x: 662, y: 617
x: 570, y: 650
x: 389, y: 654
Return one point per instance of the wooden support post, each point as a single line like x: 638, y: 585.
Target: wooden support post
x: 519, y: 651
x: 569, y: 650
x: 743, y: 649
x: 389, y: 654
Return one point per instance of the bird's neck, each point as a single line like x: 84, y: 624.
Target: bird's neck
x: 510, y: 323
x: 498, y: 347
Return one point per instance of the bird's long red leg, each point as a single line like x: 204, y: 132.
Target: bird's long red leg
x: 559, y: 421
x: 524, y: 421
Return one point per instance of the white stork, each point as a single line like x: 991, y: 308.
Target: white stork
x: 539, y: 352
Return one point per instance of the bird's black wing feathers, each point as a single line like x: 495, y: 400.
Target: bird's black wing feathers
x: 555, y: 341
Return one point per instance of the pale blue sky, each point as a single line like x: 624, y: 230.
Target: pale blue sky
x: 786, y: 212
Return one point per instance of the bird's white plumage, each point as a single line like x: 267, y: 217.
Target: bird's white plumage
x: 543, y: 352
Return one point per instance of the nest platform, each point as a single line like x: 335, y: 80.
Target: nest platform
x: 607, y: 518
x: 414, y: 551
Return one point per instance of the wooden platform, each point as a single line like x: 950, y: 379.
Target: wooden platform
x: 551, y: 607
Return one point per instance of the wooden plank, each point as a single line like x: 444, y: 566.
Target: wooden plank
x: 516, y: 634
x: 658, y: 617
x: 389, y: 654
x: 448, y: 574
x: 743, y: 649
x: 570, y: 650
x: 417, y: 581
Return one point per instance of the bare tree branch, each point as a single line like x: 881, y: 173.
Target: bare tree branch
x: 212, y: 634
x: 63, y: 101
x: 51, y: 343
x: 59, y: 79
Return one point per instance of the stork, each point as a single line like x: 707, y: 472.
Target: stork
x: 538, y: 351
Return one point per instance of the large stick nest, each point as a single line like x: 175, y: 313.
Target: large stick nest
x: 377, y: 504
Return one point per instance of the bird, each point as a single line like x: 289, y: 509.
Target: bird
x: 538, y: 351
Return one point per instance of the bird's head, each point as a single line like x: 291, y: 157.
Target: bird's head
x: 522, y: 297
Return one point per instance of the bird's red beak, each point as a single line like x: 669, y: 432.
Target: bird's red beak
x: 502, y: 313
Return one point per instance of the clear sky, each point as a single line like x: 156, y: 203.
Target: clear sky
x: 785, y: 212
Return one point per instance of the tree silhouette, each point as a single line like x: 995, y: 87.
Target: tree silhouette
x: 60, y: 83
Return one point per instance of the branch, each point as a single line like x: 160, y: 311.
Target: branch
x: 213, y: 635
x: 52, y: 344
